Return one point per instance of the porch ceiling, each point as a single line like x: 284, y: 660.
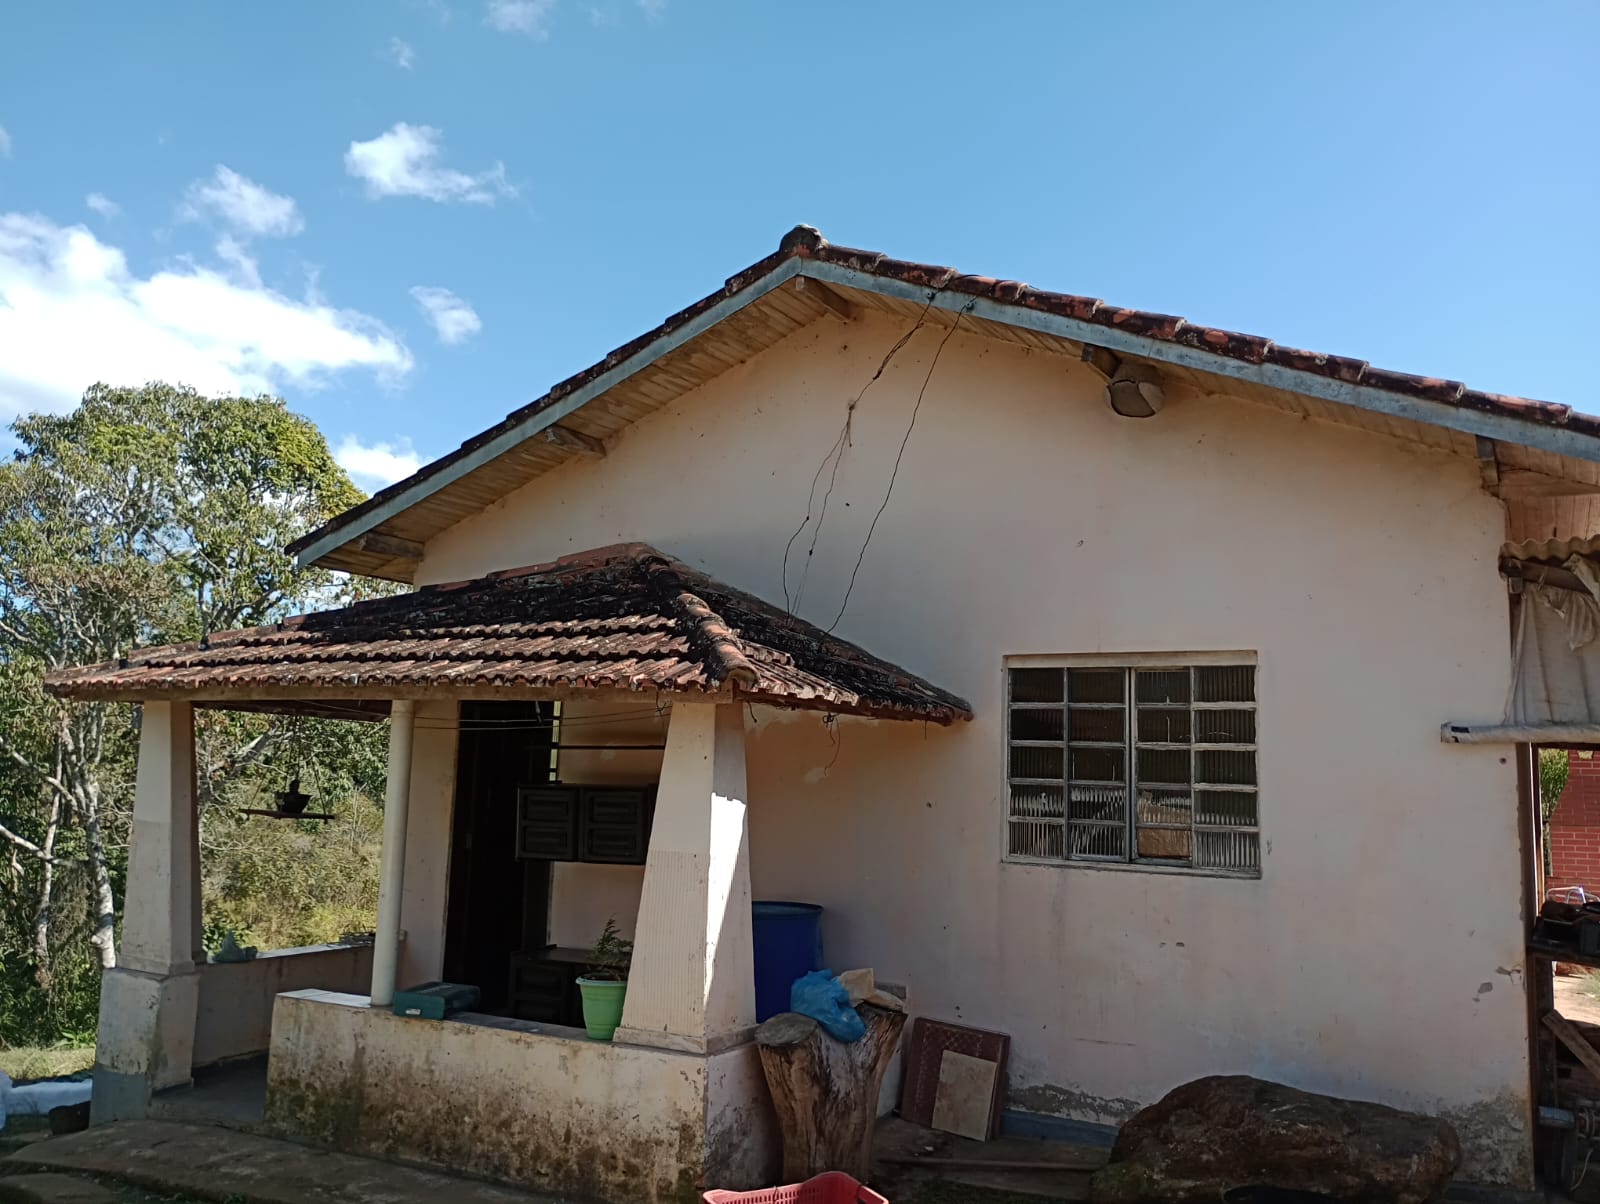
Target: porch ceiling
x: 623, y: 619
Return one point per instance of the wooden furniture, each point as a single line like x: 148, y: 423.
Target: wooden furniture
x: 544, y: 986
x: 604, y: 824
x: 825, y: 1091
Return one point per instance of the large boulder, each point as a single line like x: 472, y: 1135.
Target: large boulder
x: 1231, y: 1131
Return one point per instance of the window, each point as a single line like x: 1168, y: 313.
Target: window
x: 1146, y: 763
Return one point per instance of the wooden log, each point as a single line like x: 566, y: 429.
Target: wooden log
x: 825, y: 1091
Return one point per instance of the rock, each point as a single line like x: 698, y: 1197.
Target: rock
x: 69, y: 1118
x: 1231, y: 1131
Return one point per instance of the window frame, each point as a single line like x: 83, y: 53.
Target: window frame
x: 1130, y: 664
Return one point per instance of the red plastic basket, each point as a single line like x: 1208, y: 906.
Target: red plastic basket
x: 830, y: 1187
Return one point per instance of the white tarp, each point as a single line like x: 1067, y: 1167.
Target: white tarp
x: 1555, y: 661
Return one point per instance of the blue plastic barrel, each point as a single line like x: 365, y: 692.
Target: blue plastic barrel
x: 788, y: 944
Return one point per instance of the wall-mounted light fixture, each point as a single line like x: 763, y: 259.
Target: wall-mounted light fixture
x: 1133, y: 388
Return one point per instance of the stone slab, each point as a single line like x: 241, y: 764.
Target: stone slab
x: 53, y: 1189
x: 213, y: 1163
x: 964, y: 1101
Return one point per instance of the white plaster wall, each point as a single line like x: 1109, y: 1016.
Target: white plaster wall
x: 427, y: 873
x: 584, y: 896
x: 235, y: 1012
x: 1380, y: 953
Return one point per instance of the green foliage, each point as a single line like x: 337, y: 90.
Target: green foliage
x: 147, y: 515
x: 612, y: 955
x: 1554, y: 766
x: 1553, y: 770
x: 282, y: 883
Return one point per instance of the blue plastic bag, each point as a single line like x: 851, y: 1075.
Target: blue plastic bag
x: 823, y: 997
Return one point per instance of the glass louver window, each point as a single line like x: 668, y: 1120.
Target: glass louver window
x: 1142, y: 764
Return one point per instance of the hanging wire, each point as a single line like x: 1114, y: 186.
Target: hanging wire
x: 899, y: 455
x: 836, y: 455
x: 490, y: 723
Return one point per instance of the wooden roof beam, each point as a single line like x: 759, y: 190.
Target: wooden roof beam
x: 571, y: 440
x: 1489, y: 465
x: 826, y: 297
x: 390, y: 545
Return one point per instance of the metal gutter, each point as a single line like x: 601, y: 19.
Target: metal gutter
x: 1380, y: 401
x: 1510, y: 733
x: 547, y: 417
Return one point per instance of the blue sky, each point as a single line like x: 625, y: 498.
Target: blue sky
x: 410, y: 217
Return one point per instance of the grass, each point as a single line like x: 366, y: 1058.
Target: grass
x: 24, y: 1062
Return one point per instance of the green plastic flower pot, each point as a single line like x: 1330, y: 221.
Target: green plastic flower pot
x: 602, y: 1006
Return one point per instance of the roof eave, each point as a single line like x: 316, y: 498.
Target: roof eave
x: 429, y: 479
x: 1580, y: 445
x: 800, y: 260
x: 222, y: 695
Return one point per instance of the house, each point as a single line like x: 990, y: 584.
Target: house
x: 1574, y: 826
x: 1109, y: 680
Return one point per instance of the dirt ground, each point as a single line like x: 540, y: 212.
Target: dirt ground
x: 1573, y: 1001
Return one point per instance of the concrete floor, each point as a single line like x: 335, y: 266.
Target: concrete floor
x: 233, y: 1095
x: 215, y: 1163
x: 907, y: 1158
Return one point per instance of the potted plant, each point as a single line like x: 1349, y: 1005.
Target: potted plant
x: 605, y: 984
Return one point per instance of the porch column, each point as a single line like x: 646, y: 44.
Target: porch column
x: 692, y: 985
x: 148, y: 1000
x: 391, y: 876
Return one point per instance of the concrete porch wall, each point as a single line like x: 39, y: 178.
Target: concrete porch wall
x: 540, y: 1107
x: 235, y: 1013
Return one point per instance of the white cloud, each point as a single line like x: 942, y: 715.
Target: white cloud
x: 245, y: 269
x: 375, y: 465
x: 403, y: 55
x: 654, y: 9
x: 520, y: 16
x: 72, y: 312
x: 404, y: 161
x: 5, y: 143
x: 453, y: 319
x: 102, y: 204
x: 242, y: 204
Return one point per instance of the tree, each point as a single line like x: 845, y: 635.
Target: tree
x: 147, y: 515
x: 1554, y: 766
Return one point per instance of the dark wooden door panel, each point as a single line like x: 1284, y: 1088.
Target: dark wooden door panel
x: 547, y: 823
x: 614, y: 825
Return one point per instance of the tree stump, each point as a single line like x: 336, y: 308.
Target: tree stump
x: 826, y: 1092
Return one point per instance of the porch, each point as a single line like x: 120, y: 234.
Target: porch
x: 668, y: 665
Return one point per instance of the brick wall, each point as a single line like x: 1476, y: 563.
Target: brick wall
x: 1575, y: 826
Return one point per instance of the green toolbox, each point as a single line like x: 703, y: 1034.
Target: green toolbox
x: 435, y: 1000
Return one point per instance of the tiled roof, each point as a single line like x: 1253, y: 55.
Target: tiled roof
x: 805, y: 243
x: 618, y: 618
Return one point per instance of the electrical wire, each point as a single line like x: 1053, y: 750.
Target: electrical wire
x: 899, y: 455
x: 515, y: 725
x: 836, y: 454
